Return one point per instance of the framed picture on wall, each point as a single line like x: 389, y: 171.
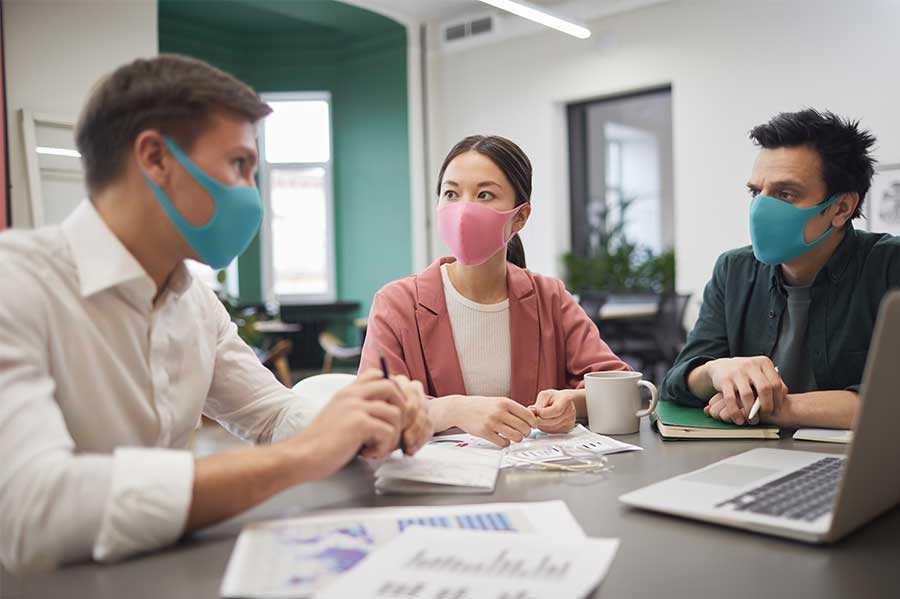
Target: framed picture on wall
x: 884, y: 200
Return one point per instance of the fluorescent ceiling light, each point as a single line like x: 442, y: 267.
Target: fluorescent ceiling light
x: 538, y: 15
x: 58, y: 152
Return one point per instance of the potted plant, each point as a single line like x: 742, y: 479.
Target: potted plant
x: 616, y: 265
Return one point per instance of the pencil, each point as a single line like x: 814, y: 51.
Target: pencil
x: 384, y: 370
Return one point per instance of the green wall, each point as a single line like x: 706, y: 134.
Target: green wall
x: 360, y: 57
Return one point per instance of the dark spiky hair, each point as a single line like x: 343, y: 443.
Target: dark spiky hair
x: 844, y: 148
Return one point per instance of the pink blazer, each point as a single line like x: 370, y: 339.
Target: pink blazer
x: 553, y: 342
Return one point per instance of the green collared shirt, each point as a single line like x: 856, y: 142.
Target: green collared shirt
x: 744, y: 302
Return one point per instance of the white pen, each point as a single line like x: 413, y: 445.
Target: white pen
x: 754, y: 409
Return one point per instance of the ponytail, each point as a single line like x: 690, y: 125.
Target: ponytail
x: 515, y: 251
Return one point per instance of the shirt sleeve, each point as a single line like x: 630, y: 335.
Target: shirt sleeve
x: 707, y: 341
x: 244, y: 396
x: 57, y: 504
x: 585, y: 350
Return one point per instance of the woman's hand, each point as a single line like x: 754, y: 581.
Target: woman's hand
x: 555, y: 410
x: 500, y: 420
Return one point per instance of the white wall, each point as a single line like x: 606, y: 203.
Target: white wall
x: 732, y: 64
x: 55, y: 50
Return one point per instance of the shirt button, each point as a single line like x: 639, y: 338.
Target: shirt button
x: 771, y: 313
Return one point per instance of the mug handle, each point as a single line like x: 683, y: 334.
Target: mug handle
x: 654, y: 399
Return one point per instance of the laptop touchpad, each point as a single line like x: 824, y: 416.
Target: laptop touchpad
x: 730, y: 475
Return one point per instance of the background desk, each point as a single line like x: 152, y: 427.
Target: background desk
x: 660, y: 557
x: 628, y: 310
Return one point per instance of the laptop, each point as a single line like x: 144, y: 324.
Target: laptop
x: 802, y: 495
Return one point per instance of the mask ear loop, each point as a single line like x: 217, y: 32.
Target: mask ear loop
x: 518, y: 209
x: 827, y: 204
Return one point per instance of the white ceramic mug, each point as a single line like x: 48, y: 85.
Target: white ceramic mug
x: 614, y: 401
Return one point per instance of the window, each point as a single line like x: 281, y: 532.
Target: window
x: 621, y: 171
x: 205, y: 274
x: 298, y: 230
x: 210, y: 277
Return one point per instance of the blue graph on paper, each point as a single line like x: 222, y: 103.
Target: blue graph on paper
x: 493, y: 521
x: 327, y: 554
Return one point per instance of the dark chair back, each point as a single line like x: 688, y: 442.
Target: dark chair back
x: 592, y: 302
x: 670, y: 332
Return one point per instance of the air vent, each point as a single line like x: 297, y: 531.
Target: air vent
x: 469, y: 28
x: 485, y: 25
x: 455, y: 32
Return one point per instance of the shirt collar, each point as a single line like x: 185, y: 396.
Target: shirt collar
x: 103, y: 262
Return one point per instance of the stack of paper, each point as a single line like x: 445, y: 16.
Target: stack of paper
x: 297, y: 557
x: 543, y: 447
x: 467, y: 464
x: 439, y: 469
x: 824, y: 435
x: 425, y: 563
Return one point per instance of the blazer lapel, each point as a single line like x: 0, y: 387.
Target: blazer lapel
x: 436, y: 334
x: 524, y: 336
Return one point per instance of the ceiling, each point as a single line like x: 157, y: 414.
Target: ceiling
x: 422, y: 10
x: 343, y: 19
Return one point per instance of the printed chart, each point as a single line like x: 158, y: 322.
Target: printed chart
x: 296, y: 557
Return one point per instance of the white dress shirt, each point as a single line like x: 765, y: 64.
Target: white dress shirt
x: 100, y: 389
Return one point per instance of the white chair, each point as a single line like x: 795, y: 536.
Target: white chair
x: 319, y: 389
x: 335, y: 350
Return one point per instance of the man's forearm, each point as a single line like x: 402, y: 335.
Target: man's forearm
x: 824, y: 409
x: 228, y: 483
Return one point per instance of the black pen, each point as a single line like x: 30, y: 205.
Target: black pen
x: 384, y: 369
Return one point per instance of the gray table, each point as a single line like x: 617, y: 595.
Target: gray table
x: 659, y: 557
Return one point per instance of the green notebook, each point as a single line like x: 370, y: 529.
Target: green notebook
x: 674, y: 421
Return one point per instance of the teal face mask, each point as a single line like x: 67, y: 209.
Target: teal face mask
x: 236, y: 216
x: 776, y: 229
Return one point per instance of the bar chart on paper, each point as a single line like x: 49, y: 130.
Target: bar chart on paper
x: 295, y: 558
x: 458, y: 564
x: 421, y: 590
x: 491, y: 521
x: 501, y: 563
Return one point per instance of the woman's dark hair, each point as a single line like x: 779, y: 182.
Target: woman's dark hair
x: 847, y: 165
x: 510, y: 159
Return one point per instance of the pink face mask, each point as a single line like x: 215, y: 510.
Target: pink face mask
x: 472, y: 231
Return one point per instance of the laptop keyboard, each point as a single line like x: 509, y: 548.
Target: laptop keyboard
x: 804, y: 494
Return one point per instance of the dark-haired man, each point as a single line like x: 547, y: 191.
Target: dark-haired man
x: 109, y: 353
x: 789, y: 319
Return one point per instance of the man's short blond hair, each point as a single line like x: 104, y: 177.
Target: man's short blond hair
x: 173, y: 94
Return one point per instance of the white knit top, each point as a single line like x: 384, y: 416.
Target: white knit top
x: 481, y: 336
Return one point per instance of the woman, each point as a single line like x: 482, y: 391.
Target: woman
x: 499, y: 349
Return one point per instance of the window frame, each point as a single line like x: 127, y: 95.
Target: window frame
x: 580, y: 163
x: 266, y: 238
